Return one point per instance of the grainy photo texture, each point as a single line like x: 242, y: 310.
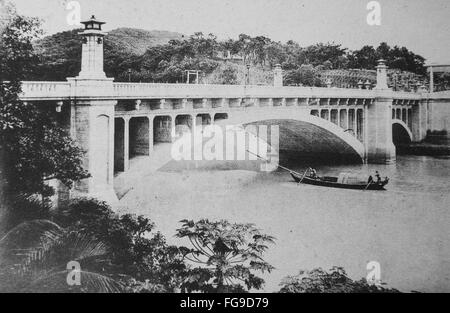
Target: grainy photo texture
x: 224, y: 146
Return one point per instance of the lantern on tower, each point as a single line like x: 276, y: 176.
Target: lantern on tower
x: 92, y: 50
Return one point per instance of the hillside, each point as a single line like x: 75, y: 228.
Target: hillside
x: 146, y: 56
x: 131, y: 40
x: 60, y: 53
x: 137, y: 41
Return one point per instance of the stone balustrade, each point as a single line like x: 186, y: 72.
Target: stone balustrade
x: 145, y: 90
x: 34, y: 90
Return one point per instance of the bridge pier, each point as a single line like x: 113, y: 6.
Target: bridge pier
x: 93, y: 129
x: 379, y: 145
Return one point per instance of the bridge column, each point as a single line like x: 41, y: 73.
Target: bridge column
x: 347, y: 118
x: 173, y: 130
x: 419, y: 120
x: 150, y: 134
x: 126, y: 143
x: 194, y: 122
x: 406, y: 116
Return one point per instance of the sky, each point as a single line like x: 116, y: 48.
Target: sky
x: 423, y: 26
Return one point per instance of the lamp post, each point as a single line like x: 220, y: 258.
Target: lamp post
x: 129, y: 75
x: 247, y: 80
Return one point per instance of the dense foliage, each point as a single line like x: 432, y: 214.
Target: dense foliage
x: 333, y: 281
x: 34, y: 257
x: 36, y: 148
x: 122, y: 253
x: 115, y: 253
x: 136, y: 55
x: 136, y: 253
x: 396, y: 57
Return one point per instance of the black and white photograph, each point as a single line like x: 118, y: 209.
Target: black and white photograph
x: 226, y: 147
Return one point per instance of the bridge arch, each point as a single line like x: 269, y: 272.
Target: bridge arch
x: 305, y: 132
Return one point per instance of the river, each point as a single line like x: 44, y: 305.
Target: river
x: 406, y: 228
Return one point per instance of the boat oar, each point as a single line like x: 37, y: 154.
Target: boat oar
x: 280, y: 166
x: 367, y: 186
x: 304, y: 174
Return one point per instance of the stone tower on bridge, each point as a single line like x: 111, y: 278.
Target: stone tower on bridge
x: 92, y: 114
x: 92, y: 50
x: 379, y: 145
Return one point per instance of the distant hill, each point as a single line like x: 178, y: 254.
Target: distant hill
x: 60, y: 54
x: 137, y: 41
x: 140, y: 55
x: 131, y: 40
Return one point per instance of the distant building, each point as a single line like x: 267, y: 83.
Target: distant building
x: 227, y: 55
x: 440, y: 85
x: 362, y: 78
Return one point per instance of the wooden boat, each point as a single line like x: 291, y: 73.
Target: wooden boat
x: 327, y: 181
x: 343, y: 181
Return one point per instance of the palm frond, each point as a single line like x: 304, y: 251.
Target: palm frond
x: 29, y: 241
x: 89, y: 282
x: 25, y: 258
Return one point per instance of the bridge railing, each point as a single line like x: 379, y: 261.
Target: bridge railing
x: 404, y: 95
x: 150, y: 90
x: 45, y: 90
x: 40, y: 90
x: 439, y: 95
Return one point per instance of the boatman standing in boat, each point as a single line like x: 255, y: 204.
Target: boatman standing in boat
x: 377, y: 175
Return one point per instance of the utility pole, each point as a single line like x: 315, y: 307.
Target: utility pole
x: 247, y: 76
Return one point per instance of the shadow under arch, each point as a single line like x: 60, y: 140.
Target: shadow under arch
x: 401, y: 135
x: 305, y: 136
x: 400, y: 127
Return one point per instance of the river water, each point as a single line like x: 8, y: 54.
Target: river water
x: 406, y: 228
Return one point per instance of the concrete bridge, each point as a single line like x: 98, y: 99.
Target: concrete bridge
x: 114, y: 122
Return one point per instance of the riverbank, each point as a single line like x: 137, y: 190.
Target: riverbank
x: 424, y: 149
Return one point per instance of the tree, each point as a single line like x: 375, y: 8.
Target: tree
x: 228, y: 76
x: 396, y: 57
x: 34, y: 257
x: 116, y: 253
x: 383, y: 51
x: 229, y: 254
x: 365, y: 58
x: 37, y: 149
x: 276, y: 54
x: 333, y: 281
x: 320, y: 53
x: 305, y: 75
